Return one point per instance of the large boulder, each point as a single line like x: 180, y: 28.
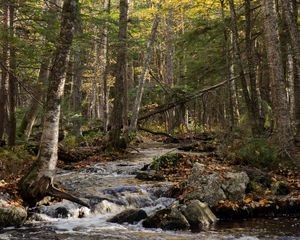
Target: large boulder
x: 206, y: 188
x: 167, y: 219
x: 12, y: 216
x: 130, y: 216
x: 214, y: 187
x: 235, y: 184
x: 198, y: 214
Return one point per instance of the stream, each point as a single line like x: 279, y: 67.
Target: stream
x: 111, y: 187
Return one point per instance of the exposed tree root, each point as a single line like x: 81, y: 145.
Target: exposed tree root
x: 54, y: 192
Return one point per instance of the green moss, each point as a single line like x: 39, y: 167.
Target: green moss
x: 165, y: 161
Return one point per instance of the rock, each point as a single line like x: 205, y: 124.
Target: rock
x: 215, y: 187
x: 149, y: 176
x: 281, y: 188
x: 198, y: 214
x: 167, y: 219
x: 207, y: 188
x: 12, y: 216
x: 61, y: 212
x: 129, y: 216
x: 235, y: 185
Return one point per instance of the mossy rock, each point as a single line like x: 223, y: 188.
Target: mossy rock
x: 14, y: 216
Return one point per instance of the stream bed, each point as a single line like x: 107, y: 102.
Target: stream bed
x: 110, y: 188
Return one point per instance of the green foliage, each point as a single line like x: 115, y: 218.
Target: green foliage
x: 13, y: 161
x: 165, y: 161
x: 258, y: 152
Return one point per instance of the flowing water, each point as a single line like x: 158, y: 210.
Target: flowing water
x: 110, y: 188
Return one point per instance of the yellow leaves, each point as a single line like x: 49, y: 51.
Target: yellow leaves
x: 3, y: 183
x: 247, y: 200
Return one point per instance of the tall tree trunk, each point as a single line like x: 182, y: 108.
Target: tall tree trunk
x: 228, y: 66
x: 77, y: 75
x: 11, y: 129
x: 4, y: 68
x: 259, y: 121
x: 31, y: 114
x: 283, y: 135
x: 291, y: 20
x: 147, y: 59
x: 104, y: 77
x: 238, y: 59
x: 118, y: 105
x: 38, y: 182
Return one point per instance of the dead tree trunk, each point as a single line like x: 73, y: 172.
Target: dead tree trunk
x: 38, y: 182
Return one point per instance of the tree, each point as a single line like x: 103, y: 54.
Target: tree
x: 291, y: 18
x: 38, y: 182
x: 147, y: 59
x: 283, y: 134
x: 121, y: 76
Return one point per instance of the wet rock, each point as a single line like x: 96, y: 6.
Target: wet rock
x: 198, y: 214
x: 281, y: 188
x: 12, y: 216
x: 235, y: 185
x: 61, y: 212
x: 129, y: 216
x: 167, y: 219
x: 149, y: 176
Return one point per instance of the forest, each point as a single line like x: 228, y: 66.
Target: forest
x: 149, y: 119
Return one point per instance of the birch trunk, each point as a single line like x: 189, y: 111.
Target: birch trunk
x: 38, y: 182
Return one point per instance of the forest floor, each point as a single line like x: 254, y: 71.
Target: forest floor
x: 271, y: 190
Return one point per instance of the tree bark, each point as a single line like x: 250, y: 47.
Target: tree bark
x: 118, y: 104
x: 38, y: 182
x: 105, y: 73
x: 30, y: 116
x: 77, y: 75
x: 283, y: 135
x: 147, y: 59
x: 259, y: 121
x: 11, y: 126
x: 294, y: 33
x: 4, y: 68
x: 238, y: 58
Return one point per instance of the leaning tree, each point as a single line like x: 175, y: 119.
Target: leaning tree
x: 38, y: 182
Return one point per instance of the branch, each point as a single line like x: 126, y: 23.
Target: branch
x: 157, y: 133
x: 184, y: 99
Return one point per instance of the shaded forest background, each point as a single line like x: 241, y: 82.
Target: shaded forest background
x: 164, y: 66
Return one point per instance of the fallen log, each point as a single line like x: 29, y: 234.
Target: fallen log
x: 158, y: 133
x: 183, y: 100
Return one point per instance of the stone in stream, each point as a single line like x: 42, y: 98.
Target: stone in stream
x: 61, y: 212
x: 167, y: 219
x: 130, y: 216
x: 12, y: 216
x: 198, y: 214
x: 149, y: 176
